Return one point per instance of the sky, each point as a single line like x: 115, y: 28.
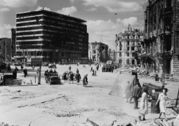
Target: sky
x: 105, y: 18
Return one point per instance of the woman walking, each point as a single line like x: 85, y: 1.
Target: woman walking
x: 162, y: 102
x: 143, y: 104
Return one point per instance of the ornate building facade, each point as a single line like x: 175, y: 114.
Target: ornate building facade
x: 98, y: 52
x: 128, y: 47
x: 161, y: 41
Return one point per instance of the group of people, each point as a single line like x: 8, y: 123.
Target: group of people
x: 68, y: 75
x: 158, y: 100
x: 48, y: 73
x: 94, y: 70
x: 158, y: 103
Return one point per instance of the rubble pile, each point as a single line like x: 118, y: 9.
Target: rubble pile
x: 5, y: 124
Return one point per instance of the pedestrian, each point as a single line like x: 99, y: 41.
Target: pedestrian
x: 65, y: 76
x: 78, y: 77
x: 91, y: 70
x: 162, y: 102
x: 97, y: 67
x: 25, y: 72
x: 77, y: 71
x: 46, y: 74
x: 136, y: 94
x: 85, y: 80
x: 71, y: 77
x: 143, y: 105
x: 69, y: 68
x: 14, y: 73
x: 154, y: 106
x: 22, y: 67
x: 135, y: 82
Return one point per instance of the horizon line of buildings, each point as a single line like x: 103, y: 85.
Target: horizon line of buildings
x: 46, y: 36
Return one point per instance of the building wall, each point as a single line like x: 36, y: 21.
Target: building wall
x: 112, y: 55
x: 5, y: 50
x: 13, y: 40
x: 128, y: 45
x: 51, y: 37
x: 98, y: 52
x: 161, y: 34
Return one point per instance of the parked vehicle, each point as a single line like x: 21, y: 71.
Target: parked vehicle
x: 54, y: 80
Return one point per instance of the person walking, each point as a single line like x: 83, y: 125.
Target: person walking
x: 162, y: 102
x: 136, y: 94
x: 154, y: 106
x: 46, y: 74
x: 85, y: 80
x: 135, y: 81
x: 78, y: 76
x: 143, y: 105
x: 71, y: 75
x: 15, y: 73
x: 25, y: 72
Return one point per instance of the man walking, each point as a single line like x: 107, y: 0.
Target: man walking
x: 136, y: 95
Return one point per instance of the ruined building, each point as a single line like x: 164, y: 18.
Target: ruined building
x: 128, y: 47
x: 98, y: 52
x: 5, y: 50
x: 51, y: 37
x: 162, y: 36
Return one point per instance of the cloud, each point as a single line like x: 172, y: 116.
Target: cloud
x: 18, y: 3
x: 92, y: 9
x: 105, y: 30
x: 68, y: 10
x: 5, y: 30
x: 115, y: 5
x: 4, y: 9
x: 44, y: 8
x: 72, y: 1
x: 127, y: 21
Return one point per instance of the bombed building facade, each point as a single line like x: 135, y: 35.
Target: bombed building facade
x: 5, y: 50
x: 98, y: 52
x: 128, y: 47
x: 162, y: 36
x: 51, y: 37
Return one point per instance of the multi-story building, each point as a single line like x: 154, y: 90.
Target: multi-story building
x: 128, y: 47
x: 112, y: 55
x: 51, y: 37
x: 98, y: 52
x: 13, y: 40
x: 162, y: 36
x: 5, y: 50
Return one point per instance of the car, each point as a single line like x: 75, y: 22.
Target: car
x: 54, y: 80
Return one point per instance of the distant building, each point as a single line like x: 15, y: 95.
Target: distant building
x: 112, y: 55
x: 98, y: 52
x: 128, y: 47
x: 51, y: 37
x: 13, y: 41
x: 5, y: 50
x: 162, y: 36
